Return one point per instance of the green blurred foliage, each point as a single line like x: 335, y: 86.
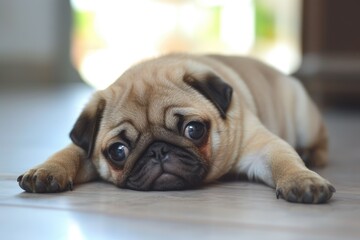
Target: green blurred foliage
x: 264, y: 21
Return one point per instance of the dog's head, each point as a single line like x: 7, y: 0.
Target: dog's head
x: 163, y: 125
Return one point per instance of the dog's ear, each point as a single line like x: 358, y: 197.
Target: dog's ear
x: 87, y: 125
x: 214, y: 89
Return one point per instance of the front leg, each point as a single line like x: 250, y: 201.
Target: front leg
x: 60, y: 172
x: 269, y: 159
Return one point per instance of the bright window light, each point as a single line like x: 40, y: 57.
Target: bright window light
x: 110, y: 35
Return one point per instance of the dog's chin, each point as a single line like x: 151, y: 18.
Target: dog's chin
x: 164, y: 182
x: 168, y: 182
x: 165, y: 167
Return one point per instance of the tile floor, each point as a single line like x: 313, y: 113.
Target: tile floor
x: 35, y: 122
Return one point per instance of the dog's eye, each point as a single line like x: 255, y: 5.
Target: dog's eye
x: 118, y: 152
x: 195, y: 130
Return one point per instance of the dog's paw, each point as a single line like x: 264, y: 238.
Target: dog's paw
x: 305, y: 187
x: 45, y: 179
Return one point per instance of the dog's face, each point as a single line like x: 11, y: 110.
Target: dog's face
x: 162, y: 125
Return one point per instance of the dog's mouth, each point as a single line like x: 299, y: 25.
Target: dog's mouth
x: 165, y: 167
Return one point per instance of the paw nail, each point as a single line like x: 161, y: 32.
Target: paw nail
x: 70, y: 186
x: 26, y: 187
x: 19, y: 178
x: 50, y: 178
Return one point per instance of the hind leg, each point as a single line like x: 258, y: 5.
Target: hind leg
x: 316, y: 156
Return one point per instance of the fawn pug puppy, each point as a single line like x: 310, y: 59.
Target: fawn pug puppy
x: 180, y: 121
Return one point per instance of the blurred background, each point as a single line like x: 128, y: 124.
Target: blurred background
x: 53, y: 42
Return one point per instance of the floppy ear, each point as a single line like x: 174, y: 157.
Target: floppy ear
x: 87, y: 125
x: 214, y: 89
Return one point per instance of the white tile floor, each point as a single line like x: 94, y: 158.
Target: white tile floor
x: 35, y: 123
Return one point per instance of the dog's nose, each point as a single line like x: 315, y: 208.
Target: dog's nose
x: 159, y: 151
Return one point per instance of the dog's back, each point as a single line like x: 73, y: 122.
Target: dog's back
x: 282, y: 105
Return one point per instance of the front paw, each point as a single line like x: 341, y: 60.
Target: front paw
x: 305, y: 187
x: 45, y: 179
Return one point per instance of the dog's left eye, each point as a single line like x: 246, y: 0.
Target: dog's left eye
x: 195, y: 130
x: 118, y: 152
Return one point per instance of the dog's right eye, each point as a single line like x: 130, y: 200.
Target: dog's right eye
x: 118, y: 152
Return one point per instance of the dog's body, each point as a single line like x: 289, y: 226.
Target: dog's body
x: 179, y: 121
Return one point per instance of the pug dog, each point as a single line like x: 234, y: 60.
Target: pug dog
x: 181, y: 121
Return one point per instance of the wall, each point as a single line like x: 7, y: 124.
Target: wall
x: 35, y: 42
